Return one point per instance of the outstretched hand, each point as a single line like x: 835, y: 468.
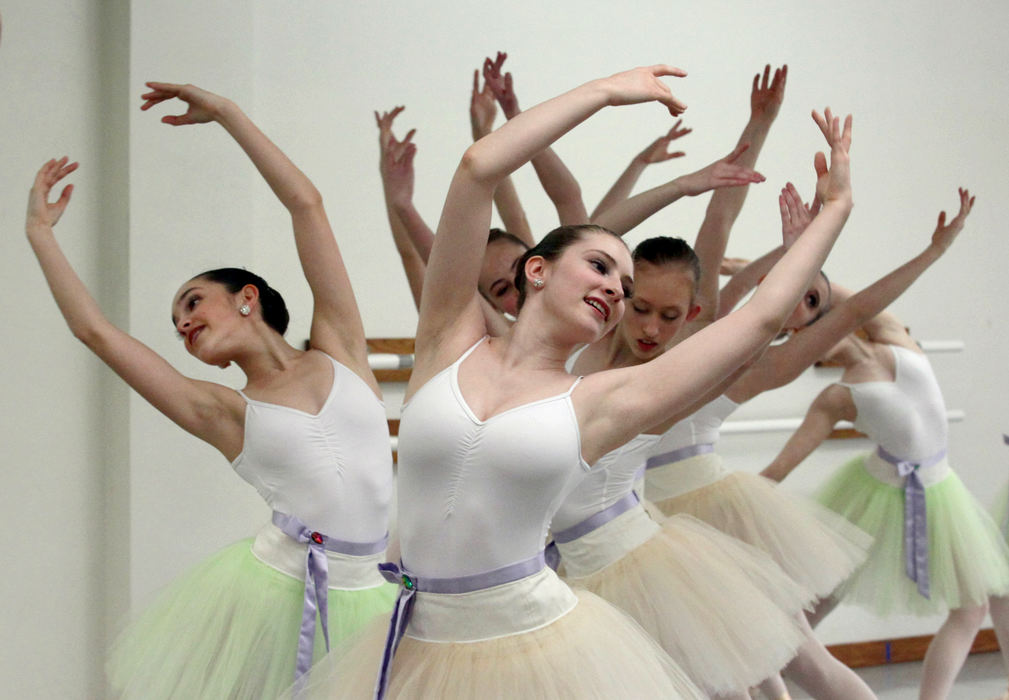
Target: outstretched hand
x: 945, y: 234
x: 482, y: 107
x: 795, y: 215
x: 658, y: 150
x: 722, y: 173
x: 397, y: 168
x: 766, y: 97
x: 384, y: 122
x: 501, y: 85
x: 833, y: 183
x: 643, y: 85
x: 42, y: 212
x: 203, y: 106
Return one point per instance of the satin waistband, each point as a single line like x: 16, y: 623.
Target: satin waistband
x: 511, y: 608
x: 887, y: 472
x: 346, y: 572
x: 608, y: 543
x: 672, y: 479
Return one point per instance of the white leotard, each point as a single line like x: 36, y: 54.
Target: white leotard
x: 478, y: 495
x: 331, y: 470
x: 699, y: 428
x: 906, y: 417
x: 610, y: 479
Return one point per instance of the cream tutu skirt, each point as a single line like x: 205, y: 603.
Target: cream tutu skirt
x: 968, y: 557
x: 723, y: 610
x: 532, y: 638
x: 814, y: 546
x: 229, y: 627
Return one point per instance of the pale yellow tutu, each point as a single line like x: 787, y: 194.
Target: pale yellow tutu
x: 815, y: 546
x: 590, y: 651
x: 722, y: 609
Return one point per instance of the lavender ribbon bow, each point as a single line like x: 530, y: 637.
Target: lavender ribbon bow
x: 397, y: 623
x: 459, y: 584
x: 915, y: 518
x: 316, y: 584
x: 316, y: 591
x: 915, y: 527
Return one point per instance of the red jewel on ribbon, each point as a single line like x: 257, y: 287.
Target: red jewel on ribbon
x: 316, y: 537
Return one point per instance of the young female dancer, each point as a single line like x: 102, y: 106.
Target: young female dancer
x: 495, y: 430
x: 727, y: 637
x: 308, y: 431
x: 936, y: 548
x: 812, y: 544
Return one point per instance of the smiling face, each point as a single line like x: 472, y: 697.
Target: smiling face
x: 586, y: 286
x: 662, y: 304
x: 205, y: 315
x: 814, y: 304
x: 497, y: 274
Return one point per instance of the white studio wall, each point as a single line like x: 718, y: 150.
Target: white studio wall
x: 125, y: 500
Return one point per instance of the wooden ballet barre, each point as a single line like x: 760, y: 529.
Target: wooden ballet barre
x: 844, y: 429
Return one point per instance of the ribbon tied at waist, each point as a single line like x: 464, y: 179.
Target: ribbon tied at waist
x: 410, y: 584
x: 915, y: 517
x: 317, y: 582
x: 680, y: 454
x: 590, y: 524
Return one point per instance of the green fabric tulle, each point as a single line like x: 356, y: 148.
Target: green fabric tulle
x: 228, y: 629
x: 968, y: 558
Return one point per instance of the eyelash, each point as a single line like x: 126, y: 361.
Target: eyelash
x: 665, y: 317
x: 190, y: 304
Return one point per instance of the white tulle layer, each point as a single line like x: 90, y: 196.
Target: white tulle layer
x: 594, y: 651
x: 815, y: 546
x: 722, y: 609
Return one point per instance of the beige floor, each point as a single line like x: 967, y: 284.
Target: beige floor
x: 983, y: 677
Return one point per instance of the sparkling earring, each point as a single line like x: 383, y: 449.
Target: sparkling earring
x: 538, y: 283
x: 244, y: 310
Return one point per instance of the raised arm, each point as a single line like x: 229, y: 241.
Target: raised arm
x: 336, y: 322
x: 795, y: 217
x: 656, y: 152
x: 646, y: 395
x: 450, y: 318
x: 395, y: 165
x: 482, y: 110
x: 783, y: 363
x: 208, y: 411
x: 833, y: 404
x: 560, y: 185
x: 766, y: 97
x: 725, y: 172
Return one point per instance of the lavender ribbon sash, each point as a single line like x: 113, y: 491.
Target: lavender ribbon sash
x: 411, y: 584
x: 915, y: 518
x: 679, y: 455
x: 317, y: 583
x: 596, y: 521
x: 553, y: 555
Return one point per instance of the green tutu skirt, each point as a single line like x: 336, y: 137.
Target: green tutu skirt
x: 968, y: 558
x: 228, y: 629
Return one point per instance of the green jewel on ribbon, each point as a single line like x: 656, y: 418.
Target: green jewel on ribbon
x: 407, y: 582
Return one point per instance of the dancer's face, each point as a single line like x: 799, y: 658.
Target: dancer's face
x: 811, y: 306
x: 206, y: 315
x: 497, y: 275
x: 587, y: 284
x: 662, y: 304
